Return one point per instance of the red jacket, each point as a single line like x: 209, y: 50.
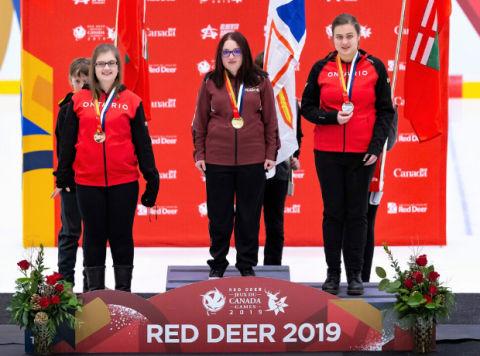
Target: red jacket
x: 372, y: 117
x: 114, y: 161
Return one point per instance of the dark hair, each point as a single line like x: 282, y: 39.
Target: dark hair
x: 247, y: 73
x: 259, y: 59
x: 345, y: 19
x: 95, y: 87
x: 79, y: 66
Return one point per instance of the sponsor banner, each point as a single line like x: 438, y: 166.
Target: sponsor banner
x: 414, y: 173
x: 249, y: 314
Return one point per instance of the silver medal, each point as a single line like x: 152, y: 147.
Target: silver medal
x: 347, y: 107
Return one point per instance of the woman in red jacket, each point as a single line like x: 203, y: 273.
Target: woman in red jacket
x: 347, y: 96
x: 104, y: 138
x: 235, y: 133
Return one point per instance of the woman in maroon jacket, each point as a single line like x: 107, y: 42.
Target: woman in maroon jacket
x: 235, y: 134
x: 104, y: 138
x: 347, y: 96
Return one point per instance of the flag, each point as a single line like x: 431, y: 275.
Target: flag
x: 132, y: 38
x: 426, y: 77
x: 285, y: 38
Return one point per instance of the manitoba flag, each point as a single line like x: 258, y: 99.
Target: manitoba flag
x: 132, y: 38
x: 426, y: 77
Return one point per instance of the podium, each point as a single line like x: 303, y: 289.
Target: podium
x: 266, y: 313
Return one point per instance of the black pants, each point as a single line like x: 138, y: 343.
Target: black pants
x: 273, y: 211
x: 370, y: 243
x: 345, y: 181
x: 246, y: 185
x: 69, y: 235
x: 108, y: 215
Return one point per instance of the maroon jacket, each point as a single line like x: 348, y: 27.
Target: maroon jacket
x: 215, y: 139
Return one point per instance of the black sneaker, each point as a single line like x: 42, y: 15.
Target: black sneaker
x: 355, y: 285
x: 247, y: 272
x: 216, y: 273
x: 332, y: 283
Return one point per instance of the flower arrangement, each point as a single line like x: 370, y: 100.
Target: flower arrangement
x: 418, y: 292
x: 42, y: 303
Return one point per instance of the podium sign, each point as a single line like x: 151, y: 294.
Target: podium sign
x: 250, y: 314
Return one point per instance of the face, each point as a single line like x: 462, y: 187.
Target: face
x: 346, y: 40
x: 78, y: 81
x: 106, y: 74
x: 232, y: 62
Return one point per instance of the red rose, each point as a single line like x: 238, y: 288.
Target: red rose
x: 23, y: 264
x: 421, y: 260
x: 428, y: 298
x: 57, y: 276
x: 58, y: 288
x: 432, y: 277
x: 408, y: 283
x: 433, y: 289
x: 44, y: 302
x: 418, y: 276
x: 55, y: 299
x: 51, y: 280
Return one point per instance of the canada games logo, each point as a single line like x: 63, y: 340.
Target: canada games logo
x: 213, y: 301
x: 274, y: 304
x: 79, y: 32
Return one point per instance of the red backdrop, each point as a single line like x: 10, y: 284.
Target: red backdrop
x: 182, y: 37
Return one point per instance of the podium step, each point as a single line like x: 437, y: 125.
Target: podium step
x: 179, y: 276
x: 372, y: 295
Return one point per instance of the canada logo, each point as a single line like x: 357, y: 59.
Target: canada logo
x: 213, y: 301
x: 365, y: 31
x: 203, y: 67
x: 79, y: 32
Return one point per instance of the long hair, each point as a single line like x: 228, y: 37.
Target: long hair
x: 248, y: 73
x: 94, y: 84
x: 344, y: 19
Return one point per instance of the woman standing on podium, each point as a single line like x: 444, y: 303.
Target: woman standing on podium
x: 347, y: 96
x: 235, y: 134
x: 104, y: 138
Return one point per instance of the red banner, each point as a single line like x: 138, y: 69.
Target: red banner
x: 182, y: 39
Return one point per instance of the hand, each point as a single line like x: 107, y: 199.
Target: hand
x: 343, y: 117
x: 200, y: 164
x: 371, y: 160
x: 269, y: 164
x: 294, y: 163
x: 58, y: 190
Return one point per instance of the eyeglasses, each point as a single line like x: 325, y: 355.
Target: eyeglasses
x: 111, y: 64
x: 235, y: 52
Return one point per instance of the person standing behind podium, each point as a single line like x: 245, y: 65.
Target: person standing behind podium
x: 104, y: 138
x: 347, y: 96
x: 235, y: 134
x: 275, y: 196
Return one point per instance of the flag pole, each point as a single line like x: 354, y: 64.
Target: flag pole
x: 394, y: 82
x: 116, y: 25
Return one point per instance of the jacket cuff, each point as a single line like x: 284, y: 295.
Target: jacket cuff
x: 331, y: 118
x: 271, y: 153
x: 372, y: 150
x: 199, y: 156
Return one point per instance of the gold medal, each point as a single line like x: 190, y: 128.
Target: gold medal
x: 237, y: 123
x: 99, y: 137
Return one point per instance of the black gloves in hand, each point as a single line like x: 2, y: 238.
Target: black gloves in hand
x: 148, y: 202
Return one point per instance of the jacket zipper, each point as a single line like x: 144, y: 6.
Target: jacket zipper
x: 104, y: 152
x: 345, y: 125
x: 236, y: 94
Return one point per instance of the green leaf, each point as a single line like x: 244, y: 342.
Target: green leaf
x: 406, y: 291
x: 381, y: 272
x: 423, y: 301
x: 418, y: 296
x: 72, y: 302
x: 22, y: 280
x: 384, y: 284
x: 25, y: 317
x: 404, y: 307
x: 398, y: 306
x: 405, y: 298
x: 79, y: 308
x: 396, y: 284
x: 431, y: 306
x: 392, y: 290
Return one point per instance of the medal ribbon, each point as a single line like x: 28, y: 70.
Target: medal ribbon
x: 347, y: 89
x: 100, y: 118
x: 236, y: 106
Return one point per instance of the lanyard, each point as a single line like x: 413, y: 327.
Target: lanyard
x: 347, y: 89
x: 236, y: 106
x: 100, y: 117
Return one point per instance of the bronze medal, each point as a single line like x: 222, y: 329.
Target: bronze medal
x: 99, y: 137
